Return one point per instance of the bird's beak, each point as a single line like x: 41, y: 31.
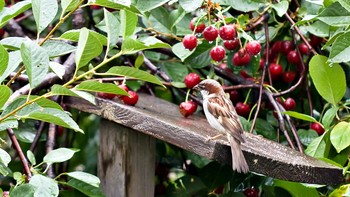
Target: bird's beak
x: 195, y: 90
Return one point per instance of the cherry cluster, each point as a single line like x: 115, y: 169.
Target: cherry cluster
x: 129, y: 100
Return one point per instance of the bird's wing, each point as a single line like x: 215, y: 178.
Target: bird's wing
x: 222, y: 109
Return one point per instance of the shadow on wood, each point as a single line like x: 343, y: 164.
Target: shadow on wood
x: 162, y: 120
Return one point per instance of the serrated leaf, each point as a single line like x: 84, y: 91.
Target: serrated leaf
x: 57, y: 68
x: 85, y: 177
x: 95, y: 86
x: 319, y: 147
x: 36, y: 62
x: 14, y: 60
x: 340, y: 136
x: 73, y: 35
x: 340, y: 49
x: 54, y: 116
x: 4, y: 57
x: 112, y: 28
x: 5, y: 158
x: 246, y: 5
x: 300, y: 116
x: 335, y: 15
x: 85, y: 95
x: 329, y: 80
x: 128, y: 21
x: 57, y: 48
x: 59, y: 155
x: 134, y: 73
x: 281, y: 7
x: 60, y: 90
x: 31, y: 157
x: 7, y: 13
x: 131, y: 46
x: 150, y: 4
x: 68, y: 5
x: 85, y: 188
x: 24, y: 190
x: 13, y: 43
x: 44, y: 186
x: 5, y: 93
x: 44, y: 12
x: 88, y: 48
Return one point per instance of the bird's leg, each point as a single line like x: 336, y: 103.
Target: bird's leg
x: 213, y: 137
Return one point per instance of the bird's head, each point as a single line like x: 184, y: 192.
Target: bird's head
x: 209, y: 86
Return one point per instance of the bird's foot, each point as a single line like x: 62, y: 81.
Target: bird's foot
x: 209, y: 138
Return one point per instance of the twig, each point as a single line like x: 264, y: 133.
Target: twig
x: 37, y: 136
x: 20, y: 153
x: 50, y: 143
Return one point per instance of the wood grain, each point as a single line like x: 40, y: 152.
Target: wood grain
x: 162, y: 120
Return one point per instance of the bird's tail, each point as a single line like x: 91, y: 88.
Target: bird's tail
x: 238, y: 161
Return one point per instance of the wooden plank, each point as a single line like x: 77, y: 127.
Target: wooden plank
x: 162, y: 120
x: 126, y: 164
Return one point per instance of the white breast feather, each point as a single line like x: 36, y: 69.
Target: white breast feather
x: 211, y: 119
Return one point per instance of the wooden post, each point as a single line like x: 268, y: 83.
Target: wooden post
x: 126, y: 165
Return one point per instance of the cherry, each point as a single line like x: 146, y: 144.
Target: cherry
x: 106, y: 95
x: 293, y: 57
x: 244, y: 74
x: 200, y: 26
x: 289, y: 104
x: 286, y: 46
x: 261, y: 64
x: 190, y: 42
x: 124, y: 87
x: 191, y: 80
x: 288, y: 76
x: 234, y: 96
x: 2, y: 32
x: 275, y: 71
x: 242, y: 109
x: 219, y: 190
x: 303, y: 48
x: 227, y: 32
x: 253, y: 47
x: 276, y: 47
x: 231, y: 44
x: 217, y: 53
x: 241, y: 58
x: 225, y: 67
x: 317, y: 127
x: 187, y: 108
x: 315, y: 40
x: 251, y: 192
x: 210, y: 33
x: 131, y: 99
x: 95, y: 7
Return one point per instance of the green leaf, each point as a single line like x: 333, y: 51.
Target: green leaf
x: 190, y: 5
x: 31, y: 157
x: 178, y: 84
x: 306, y: 136
x: 36, y: 62
x: 5, y: 158
x: 139, y: 61
x: 24, y: 190
x: 112, y: 28
x: 68, y: 5
x: 119, y: 5
x: 246, y: 5
x: 200, y: 57
x: 175, y: 70
x: 10, y: 122
x: 2, y: 4
x: 54, y: 116
x: 57, y: 48
x: 95, y: 86
x: 296, y: 189
x: 44, y: 12
x: 145, y: 6
x: 73, y: 35
x: 4, y: 56
x: 329, y: 79
x: 340, y: 136
x: 345, y: 4
x: 318, y: 28
x: 88, y: 48
x: 14, y: 60
x: 335, y: 15
x: 4, y: 170
x: 131, y: 46
x: 13, y: 43
x: 7, y: 13
x: 328, y: 117
x: 265, y: 129
x: 215, y: 174
x: 85, y: 188
x: 128, y: 22
x: 319, y: 147
x: 340, y: 49
x: 134, y: 73
x: 44, y: 185
x: 160, y: 20
x: 300, y: 116
x: 59, y: 155
x: 5, y: 93
x: 85, y: 177
x: 60, y: 90
x: 180, y: 51
x: 281, y: 7
x: 57, y: 68
x: 343, y: 190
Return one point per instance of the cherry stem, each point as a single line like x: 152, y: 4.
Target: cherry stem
x: 247, y: 97
x: 188, y: 93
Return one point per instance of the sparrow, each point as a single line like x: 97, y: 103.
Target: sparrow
x: 222, y: 116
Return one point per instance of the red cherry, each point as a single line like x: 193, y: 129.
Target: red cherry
x: 276, y: 47
x: 190, y: 42
x: 289, y: 104
x: 242, y: 109
x: 200, y: 26
x: 227, y: 32
x: 251, y: 192
x: 234, y: 96
x: 131, y: 99
x: 315, y: 40
x: 192, y: 79
x: 217, y: 53
x: 187, y: 108
x: 95, y: 7
x: 293, y: 57
x: 241, y: 58
x: 275, y: 71
x: 2, y: 33
x: 231, y: 44
x: 210, y: 33
x: 261, y: 64
x: 317, y: 127
x: 244, y: 74
x: 105, y: 95
x: 288, y: 76
x: 286, y: 46
x: 124, y: 87
x: 253, y: 47
x: 303, y: 48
